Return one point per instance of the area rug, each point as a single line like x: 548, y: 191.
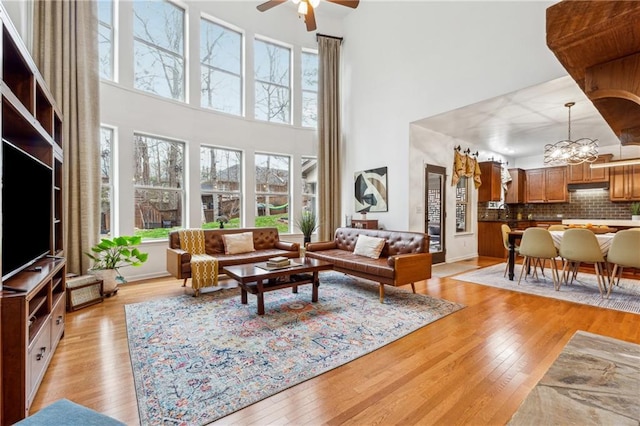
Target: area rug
x: 625, y: 297
x: 442, y: 270
x: 594, y: 381
x: 198, y: 359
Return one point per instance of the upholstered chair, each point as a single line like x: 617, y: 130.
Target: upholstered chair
x: 537, y: 246
x: 580, y: 245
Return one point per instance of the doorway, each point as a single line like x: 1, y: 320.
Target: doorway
x: 434, y: 211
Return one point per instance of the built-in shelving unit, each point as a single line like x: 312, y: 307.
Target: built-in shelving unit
x: 32, y: 296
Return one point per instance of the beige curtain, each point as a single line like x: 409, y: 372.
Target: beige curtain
x: 329, y: 131
x: 65, y: 49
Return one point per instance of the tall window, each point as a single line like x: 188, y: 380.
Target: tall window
x: 159, y: 64
x: 106, y: 183
x: 309, y: 171
x: 220, y: 187
x: 309, y: 89
x: 272, y: 191
x: 220, y: 68
x: 462, y: 205
x: 106, y: 38
x: 272, y: 82
x: 159, y: 185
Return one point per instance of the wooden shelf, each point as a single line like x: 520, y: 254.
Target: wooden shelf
x: 33, y: 300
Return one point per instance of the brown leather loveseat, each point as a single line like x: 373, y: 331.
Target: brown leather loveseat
x: 405, y: 257
x: 266, y: 242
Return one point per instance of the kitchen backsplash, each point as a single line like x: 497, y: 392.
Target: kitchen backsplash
x: 586, y: 204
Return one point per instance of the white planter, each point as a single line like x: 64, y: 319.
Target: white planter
x: 109, y: 280
x: 635, y: 217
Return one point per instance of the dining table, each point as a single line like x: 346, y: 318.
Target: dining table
x: 516, y: 235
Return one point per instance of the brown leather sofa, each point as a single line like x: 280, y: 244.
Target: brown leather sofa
x: 266, y: 242
x: 405, y: 257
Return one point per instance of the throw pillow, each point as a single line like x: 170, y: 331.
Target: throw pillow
x: 369, y: 246
x: 238, y: 243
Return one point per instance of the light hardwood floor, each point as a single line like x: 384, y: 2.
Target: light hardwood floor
x: 473, y: 367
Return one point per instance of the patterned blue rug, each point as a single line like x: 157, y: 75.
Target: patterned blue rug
x: 198, y: 359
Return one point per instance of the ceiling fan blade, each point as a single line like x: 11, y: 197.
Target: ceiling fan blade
x: 268, y: 5
x: 349, y: 3
x: 310, y: 18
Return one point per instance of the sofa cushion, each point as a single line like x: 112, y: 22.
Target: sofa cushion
x: 238, y: 243
x: 346, y: 260
x: 369, y: 246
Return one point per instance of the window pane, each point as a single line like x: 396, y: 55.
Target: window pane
x: 309, y: 71
x: 273, y: 82
x: 159, y: 23
x: 157, y: 209
x: 158, y: 182
x: 159, y: 163
x: 272, y: 191
x: 220, y: 187
x: 106, y: 150
x: 272, y: 63
x: 462, y: 205
x: 221, y: 91
x: 272, y: 103
x: 309, y: 109
x: 309, y: 170
x: 159, y: 48
x: 158, y: 72
x: 221, y: 68
x: 105, y: 38
x: 309, y: 89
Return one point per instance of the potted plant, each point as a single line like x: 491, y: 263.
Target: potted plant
x: 635, y: 211
x: 111, y: 254
x: 221, y: 221
x: 307, y: 223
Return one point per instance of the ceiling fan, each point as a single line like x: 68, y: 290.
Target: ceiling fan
x: 306, y: 8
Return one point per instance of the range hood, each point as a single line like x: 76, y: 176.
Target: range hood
x: 588, y: 185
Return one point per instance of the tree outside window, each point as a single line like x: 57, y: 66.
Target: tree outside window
x: 159, y: 186
x: 159, y: 64
x: 309, y: 89
x: 272, y: 191
x: 106, y: 39
x: 462, y: 205
x: 220, y: 68
x: 221, y: 187
x: 272, y: 82
x: 106, y: 184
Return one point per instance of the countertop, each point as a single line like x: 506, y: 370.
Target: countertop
x: 611, y: 222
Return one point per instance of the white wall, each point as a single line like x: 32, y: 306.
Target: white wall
x: 404, y: 61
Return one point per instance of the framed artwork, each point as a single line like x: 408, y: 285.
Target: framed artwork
x: 371, y: 190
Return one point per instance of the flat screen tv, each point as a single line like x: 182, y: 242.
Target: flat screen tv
x: 26, y: 209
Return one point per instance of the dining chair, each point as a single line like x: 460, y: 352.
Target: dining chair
x: 623, y: 252
x: 505, y: 229
x: 578, y: 246
x: 537, y: 245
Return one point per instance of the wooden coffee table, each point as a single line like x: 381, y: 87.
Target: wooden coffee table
x: 254, y: 279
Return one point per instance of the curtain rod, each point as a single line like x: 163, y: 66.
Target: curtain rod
x: 328, y: 36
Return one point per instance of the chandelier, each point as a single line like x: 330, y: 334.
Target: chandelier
x: 571, y: 152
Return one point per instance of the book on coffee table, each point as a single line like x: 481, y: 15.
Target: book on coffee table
x: 276, y: 262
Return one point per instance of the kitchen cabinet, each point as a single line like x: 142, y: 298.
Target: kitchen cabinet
x: 583, y: 173
x: 490, y: 237
x: 515, y: 193
x: 546, y: 185
x: 491, y: 188
x: 624, y: 183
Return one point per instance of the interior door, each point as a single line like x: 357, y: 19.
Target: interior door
x: 434, y: 211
